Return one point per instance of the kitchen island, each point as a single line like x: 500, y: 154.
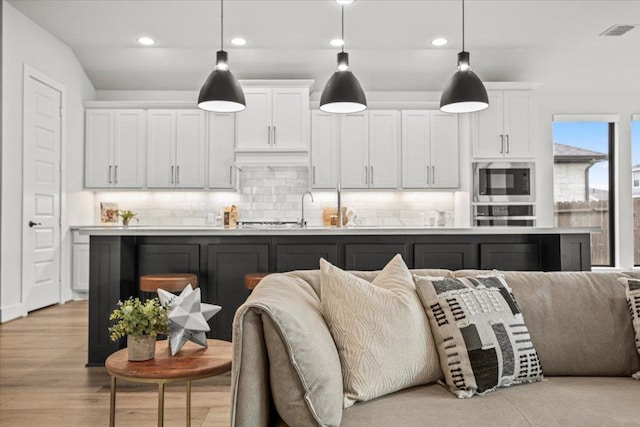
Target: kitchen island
x: 221, y: 257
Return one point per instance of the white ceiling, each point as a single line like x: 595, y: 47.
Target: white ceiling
x: 554, y: 42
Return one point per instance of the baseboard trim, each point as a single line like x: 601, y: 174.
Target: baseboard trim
x: 11, y: 312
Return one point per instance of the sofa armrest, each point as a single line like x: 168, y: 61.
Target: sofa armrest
x: 283, y: 351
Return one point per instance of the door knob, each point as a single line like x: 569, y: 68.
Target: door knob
x: 33, y: 224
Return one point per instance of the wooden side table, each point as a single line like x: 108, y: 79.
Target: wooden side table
x: 192, y: 362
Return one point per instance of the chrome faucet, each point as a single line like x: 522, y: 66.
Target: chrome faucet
x: 303, y: 222
x: 339, y: 191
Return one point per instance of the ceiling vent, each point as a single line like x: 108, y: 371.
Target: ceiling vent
x: 618, y: 30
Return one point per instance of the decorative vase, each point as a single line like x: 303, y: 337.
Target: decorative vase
x: 125, y: 222
x: 141, y: 347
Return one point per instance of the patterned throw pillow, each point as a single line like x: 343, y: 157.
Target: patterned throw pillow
x: 481, y: 337
x: 380, y: 330
x: 632, y: 287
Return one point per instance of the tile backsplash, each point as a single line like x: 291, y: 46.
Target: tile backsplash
x: 274, y: 193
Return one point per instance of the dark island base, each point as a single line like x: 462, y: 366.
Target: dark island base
x: 221, y: 263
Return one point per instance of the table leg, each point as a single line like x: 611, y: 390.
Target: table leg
x: 188, y: 403
x: 112, y: 404
x: 160, y: 404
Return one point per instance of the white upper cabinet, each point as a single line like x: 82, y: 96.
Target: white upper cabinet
x: 504, y: 129
x: 176, y: 149
x: 114, y: 148
x: 430, y: 146
x: 275, y: 119
x: 325, y: 149
x: 222, y: 136
x: 370, y: 147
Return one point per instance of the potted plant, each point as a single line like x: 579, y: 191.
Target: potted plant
x: 140, y: 323
x: 126, y: 216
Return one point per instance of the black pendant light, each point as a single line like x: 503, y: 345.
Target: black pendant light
x: 464, y: 93
x: 221, y: 92
x: 343, y: 93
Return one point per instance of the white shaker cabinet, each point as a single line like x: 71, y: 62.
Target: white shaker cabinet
x: 114, y: 142
x: 370, y: 147
x: 325, y: 149
x: 80, y: 262
x: 221, y: 150
x: 176, y: 149
x: 505, y: 128
x: 430, y: 156
x: 275, y: 119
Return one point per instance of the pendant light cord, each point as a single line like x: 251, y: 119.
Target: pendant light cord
x: 343, y: 42
x: 221, y: 24
x: 463, y: 25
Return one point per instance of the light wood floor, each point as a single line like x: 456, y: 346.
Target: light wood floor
x: 44, y: 381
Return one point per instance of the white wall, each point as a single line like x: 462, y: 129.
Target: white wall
x: 24, y: 42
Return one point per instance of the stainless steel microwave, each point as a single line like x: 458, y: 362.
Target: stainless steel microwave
x: 503, y: 182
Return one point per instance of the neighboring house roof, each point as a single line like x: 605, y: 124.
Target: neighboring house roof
x: 635, y: 167
x: 568, y: 154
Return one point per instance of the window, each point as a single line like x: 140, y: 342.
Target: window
x: 583, y: 182
x: 635, y: 176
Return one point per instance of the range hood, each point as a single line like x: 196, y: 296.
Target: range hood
x: 248, y: 158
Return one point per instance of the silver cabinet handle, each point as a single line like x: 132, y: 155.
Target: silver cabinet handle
x: 314, y: 175
x: 115, y: 173
x: 275, y: 138
x: 269, y: 135
x: 433, y: 175
x: 371, y: 175
x: 366, y: 175
x: 428, y: 175
x: 508, y: 143
x: 177, y: 174
x: 501, y: 144
x: 230, y: 174
x: 110, y: 181
x: 172, y: 174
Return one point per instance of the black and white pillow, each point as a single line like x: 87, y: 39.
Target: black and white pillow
x: 632, y: 289
x: 480, y: 334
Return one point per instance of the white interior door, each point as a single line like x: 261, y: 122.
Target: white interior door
x: 41, y: 195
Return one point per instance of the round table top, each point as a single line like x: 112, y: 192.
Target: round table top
x: 192, y: 361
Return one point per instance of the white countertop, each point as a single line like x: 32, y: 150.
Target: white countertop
x: 152, y: 230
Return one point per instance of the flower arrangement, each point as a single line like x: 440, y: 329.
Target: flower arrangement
x: 136, y: 319
x: 126, y: 216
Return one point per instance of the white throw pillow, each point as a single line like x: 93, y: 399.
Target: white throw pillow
x: 632, y: 290
x: 380, y: 329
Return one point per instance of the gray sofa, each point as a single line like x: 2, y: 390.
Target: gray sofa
x: 286, y: 370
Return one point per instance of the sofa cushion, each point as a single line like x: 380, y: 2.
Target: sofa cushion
x: 304, y: 367
x: 632, y: 290
x: 556, y: 401
x: 578, y: 321
x: 481, y: 336
x: 380, y: 330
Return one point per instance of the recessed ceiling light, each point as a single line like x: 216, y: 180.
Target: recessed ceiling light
x: 146, y: 41
x: 337, y: 42
x: 238, y: 41
x: 440, y: 41
x: 344, y: 1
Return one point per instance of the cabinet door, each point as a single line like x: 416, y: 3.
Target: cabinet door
x: 290, y: 257
x: 488, y: 137
x: 510, y: 256
x: 129, y: 148
x: 384, y: 149
x: 253, y: 125
x: 161, y: 145
x: 451, y: 256
x: 227, y: 265
x: 98, y: 171
x: 416, y: 156
x: 290, y: 118
x: 374, y: 256
x: 159, y: 258
x: 190, y: 144
x: 517, y: 123
x: 354, y: 150
x: 80, y: 267
x: 324, y: 149
x: 444, y: 150
x: 222, y: 137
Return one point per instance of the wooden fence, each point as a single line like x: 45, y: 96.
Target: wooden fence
x: 596, y: 214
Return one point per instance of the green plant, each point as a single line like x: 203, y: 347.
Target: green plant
x: 136, y: 318
x: 126, y: 215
